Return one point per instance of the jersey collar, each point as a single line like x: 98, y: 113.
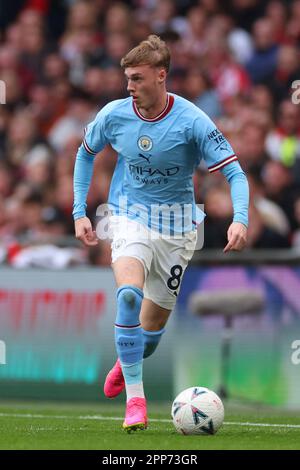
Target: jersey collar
x: 165, y: 111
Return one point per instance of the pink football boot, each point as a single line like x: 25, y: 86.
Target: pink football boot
x: 136, y: 415
x: 114, y: 382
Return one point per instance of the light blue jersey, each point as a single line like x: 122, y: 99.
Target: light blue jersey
x: 156, y: 161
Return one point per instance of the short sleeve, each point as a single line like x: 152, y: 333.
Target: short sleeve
x: 213, y: 147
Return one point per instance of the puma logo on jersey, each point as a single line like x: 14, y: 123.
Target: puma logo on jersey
x: 145, y: 157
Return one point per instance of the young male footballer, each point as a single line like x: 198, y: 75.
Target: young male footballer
x: 160, y: 139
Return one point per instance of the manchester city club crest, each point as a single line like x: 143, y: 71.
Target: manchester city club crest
x: 145, y: 143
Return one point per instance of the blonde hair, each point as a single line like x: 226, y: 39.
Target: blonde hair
x: 153, y: 51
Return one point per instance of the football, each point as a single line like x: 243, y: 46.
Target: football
x: 197, y: 410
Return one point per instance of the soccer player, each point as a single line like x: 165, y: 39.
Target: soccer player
x: 160, y: 139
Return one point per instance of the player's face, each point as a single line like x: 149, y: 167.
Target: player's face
x: 145, y: 84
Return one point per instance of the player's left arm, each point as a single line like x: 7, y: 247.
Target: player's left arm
x: 237, y: 232
x: 219, y: 155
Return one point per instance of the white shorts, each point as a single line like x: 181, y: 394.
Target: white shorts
x: 164, y: 259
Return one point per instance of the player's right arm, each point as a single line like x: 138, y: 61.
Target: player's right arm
x: 84, y: 231
x: 93, y: 142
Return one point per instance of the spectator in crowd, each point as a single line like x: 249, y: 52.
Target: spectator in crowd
x: 262, y: 64
x: 283, y: 142
x: 287, y: 71
x: 246, y: 12
x: 271, y: 213
x: 296, y: 234
x: 293, y: 25
x: 277, y: 13
x: 280, y: 188
x: 198, y: 89
x: 218, y: 209
x: 262, y: 236
x: 252, y: 152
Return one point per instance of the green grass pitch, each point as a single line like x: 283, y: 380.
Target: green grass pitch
x: 40, y: 425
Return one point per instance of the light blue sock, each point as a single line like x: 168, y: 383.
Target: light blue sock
x: 128, y: 333
x: 133, y: 373
x: 151, y: 341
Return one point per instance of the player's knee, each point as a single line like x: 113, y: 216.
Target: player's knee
x: 128, y: 297
x: 129, y: 300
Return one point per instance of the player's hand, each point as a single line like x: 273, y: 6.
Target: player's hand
x: 84, y: 232
x: 237, y: 237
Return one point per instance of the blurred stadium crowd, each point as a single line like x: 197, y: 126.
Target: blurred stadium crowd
x: 236, y: 60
